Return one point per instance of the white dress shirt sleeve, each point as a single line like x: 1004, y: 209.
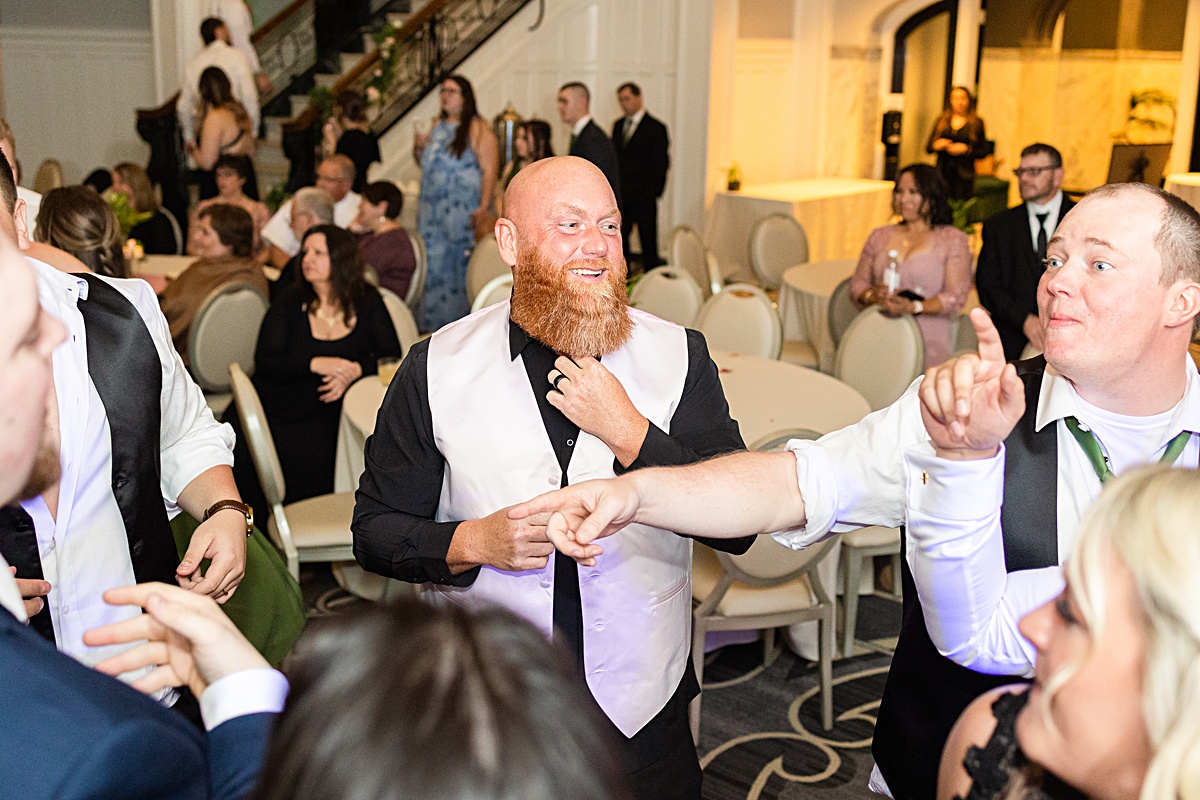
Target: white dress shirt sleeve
x: 191, y: 441
x: 251, y: 691
x: 185, y: 106
x: 854, y: 477
x: 278, y: 231
x: 247, y: 88
x: 972, y: 604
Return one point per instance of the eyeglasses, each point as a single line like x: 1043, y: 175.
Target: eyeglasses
x: 1032, y: 172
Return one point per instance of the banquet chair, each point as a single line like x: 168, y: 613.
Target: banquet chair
x: 49, y: 176
x: 741, y: 319
x: 857, y: 547
x: 402, y: 320
x: 769, y: 586
x: 880, y: 356
x: 223, y: 332
x: 176, y: 231
x: 484, y: 265
x: 416, y: 284
x: 497, y: 290
x: 842, y: 311
x: 316, y: 529
x: 670, y: 294
x: 687, y: 253
x: 776, y: 243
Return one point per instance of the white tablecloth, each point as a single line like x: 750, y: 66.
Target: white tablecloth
x: 359, y: 407
x: 804, y: 296
x: 163, y: 266
x: 837, y: 214
x: 1185, y: 185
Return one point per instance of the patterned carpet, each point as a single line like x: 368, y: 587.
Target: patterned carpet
x: 761, y: 734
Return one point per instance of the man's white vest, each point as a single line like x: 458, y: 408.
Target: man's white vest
x: 637, y: 600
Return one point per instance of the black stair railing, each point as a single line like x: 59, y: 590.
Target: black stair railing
x: 429, y: 46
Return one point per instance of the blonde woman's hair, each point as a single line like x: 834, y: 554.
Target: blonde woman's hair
x: 1147, y: 519
x: 144, y: 199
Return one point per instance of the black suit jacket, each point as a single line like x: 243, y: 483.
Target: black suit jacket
x: 1008, y: 273
x: 71, y: 732
x: 593, y: 144
x: 643, y: 160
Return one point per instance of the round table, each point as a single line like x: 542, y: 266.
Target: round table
x: 804, y: 296
x: 360, y: 405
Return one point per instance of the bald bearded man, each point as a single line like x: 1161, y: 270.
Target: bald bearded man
x: 539, y: 393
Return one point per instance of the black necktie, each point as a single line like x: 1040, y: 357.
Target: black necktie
x: 1041, y: 240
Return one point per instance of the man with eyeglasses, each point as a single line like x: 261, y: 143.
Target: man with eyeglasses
x: 1014, y: 246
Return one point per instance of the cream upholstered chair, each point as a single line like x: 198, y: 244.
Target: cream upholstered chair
x: 223, y: 332
x: 49, y: 176
x: 494, y: 291
x: 842, y: 311
x: 670, y: 294
x: 776, y: 243
x: 402, y: 320
x: 687, y: 253
x: 857, y: 547
x: 416, y: 286
x: 316, y: 529
x: 484, y: 265
x: 741, y: 319
x: 880, y: 356
x: 767, y: 587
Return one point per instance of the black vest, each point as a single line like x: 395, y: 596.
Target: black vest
x: 926, y: 692
x: 124, y: 367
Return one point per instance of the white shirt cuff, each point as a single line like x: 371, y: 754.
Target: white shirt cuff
x: 946, y: 489
x: 250, y: 691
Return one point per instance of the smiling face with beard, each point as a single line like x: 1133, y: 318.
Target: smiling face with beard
x: 572, y: 317
x: 562, y: 236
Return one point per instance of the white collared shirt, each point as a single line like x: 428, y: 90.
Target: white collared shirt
x: 580, y: 124
x: 233, y: 63
x: 1051, y: 210
x: 278, y: 230
x: 84, y: 548
x: 631, y: 123
x: 956, y: 550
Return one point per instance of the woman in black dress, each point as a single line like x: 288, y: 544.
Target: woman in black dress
x: 348, y: 132
x: 958, y: 139
x: 320, y: 335
x: 1114, y: 708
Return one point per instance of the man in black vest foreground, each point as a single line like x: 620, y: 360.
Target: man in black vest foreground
x: 1117, y: 307
x: 133, y: 435
x: 1014, y: 247
x: 69, y: 731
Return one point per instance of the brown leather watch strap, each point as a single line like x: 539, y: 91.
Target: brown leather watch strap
x: 235, y: 505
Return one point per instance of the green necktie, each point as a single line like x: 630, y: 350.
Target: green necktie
x: 1091, y: 447
x: 571, y: 146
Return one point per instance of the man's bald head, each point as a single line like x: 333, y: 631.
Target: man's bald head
x: 538, y: 188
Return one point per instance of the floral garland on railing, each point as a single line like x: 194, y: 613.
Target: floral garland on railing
x: 385, y: 73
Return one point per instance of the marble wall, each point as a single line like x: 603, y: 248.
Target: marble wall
x: 1076, y: 100
x: 854, y: 111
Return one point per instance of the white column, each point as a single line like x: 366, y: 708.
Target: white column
x: 1189, y: 84
x: 175, y: 37
x: 719, y: 123
x: 966, y: 44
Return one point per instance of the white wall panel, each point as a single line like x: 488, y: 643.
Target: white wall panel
x: 70, y: 94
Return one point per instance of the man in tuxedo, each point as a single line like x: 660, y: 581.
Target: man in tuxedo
x: 641, y: 142
x: 1014, y: 245
x: 70, y: 731
x: 588, y: 140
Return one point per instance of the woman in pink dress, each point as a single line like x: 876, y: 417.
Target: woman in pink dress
x: 932, y: 258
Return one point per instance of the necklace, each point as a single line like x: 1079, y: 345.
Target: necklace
x: 328, y: 317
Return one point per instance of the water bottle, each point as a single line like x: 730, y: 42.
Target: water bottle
x: 891, y: 275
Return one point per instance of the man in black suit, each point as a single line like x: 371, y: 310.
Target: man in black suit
x: 641, y: 142
x: 1014, y: 245
x: 588, y: 140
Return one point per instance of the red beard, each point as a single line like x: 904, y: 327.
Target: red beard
x: 572, y: 318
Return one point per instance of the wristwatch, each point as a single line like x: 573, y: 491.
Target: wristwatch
x: 236, y: 505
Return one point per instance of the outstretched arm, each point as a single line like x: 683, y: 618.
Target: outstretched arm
x: 735, y: 495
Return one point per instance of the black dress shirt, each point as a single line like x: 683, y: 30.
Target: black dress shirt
x: 394, y: 530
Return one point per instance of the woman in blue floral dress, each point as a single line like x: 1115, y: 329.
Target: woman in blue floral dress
x: 459, y: 163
